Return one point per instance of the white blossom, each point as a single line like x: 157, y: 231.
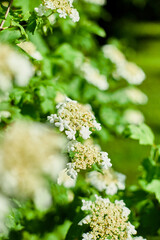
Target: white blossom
x: 114, y: 54
x: 41, y: 10
x: 85, y: 220
x: 85, y: 132
x: 87, y: 236
x: 15, y: 68
x: 70, y: 134
x: 86, y: 205
x: 131, y: 73
x: 93, y: 76
x: 74, y: 118
x: 106, y: 161
x: 136, y: 96
x: 107, y: 220
x: 133, y: 116
x: 65, y: 180
x: 63, y: 7
x: 62, y: 13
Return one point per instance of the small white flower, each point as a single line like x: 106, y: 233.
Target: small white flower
x: 70, y: 146
x: 126, y: 211
x: 52, y: 118
x: 106, y: 162
x: 97, y: 125
x: 86, y: 205
x: 41, y: 10
x: 60, y: 124
x: 85, y: 220
x: 131, y: 229
x: 120, y: 202
x: 74, y: 15
x: 70, y: 134
x: 85, y: 132
x: 87, y: 236
x: 62, y: 13
x: 61, y: 104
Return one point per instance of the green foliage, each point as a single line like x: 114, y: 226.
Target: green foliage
x: 142, y: 133
x: 64, y: 46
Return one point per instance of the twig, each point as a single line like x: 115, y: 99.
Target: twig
x: 6, y: 14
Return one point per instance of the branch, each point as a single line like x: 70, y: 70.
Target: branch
x: 6, y: 14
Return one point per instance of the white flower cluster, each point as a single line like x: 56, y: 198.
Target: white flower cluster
x: 107, y: 220
x: 110, y: 181
x: 74, y: 118
x: 4, y: 114
x: 132, y: 116
x: 63, y: 7
x: 124, y: 69
x: 14, y: 68
x: 30, y: 48
x: 84, y: 156
x: 28, y: 152
x: 93, y: 76
x: 136, y: 96
x: 97, y: 2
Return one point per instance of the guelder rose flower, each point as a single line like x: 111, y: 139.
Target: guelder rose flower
x: 65, y: 180
x: 74, y: 118
x: 29, y: 151
x: 133, y: 116
x: 85, y: 155
x: 14, y: 68
x: 107, y: 220
x: 31, y: 49
x: 131, y: 73
x: 93, y: 76
x: 110, y: 181
x: 124, y: 69
x: 63, y: 7
x: 114, y: 54
x: 136, y: 96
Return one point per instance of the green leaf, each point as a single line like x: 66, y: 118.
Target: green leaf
x: 142, y: 133
x: 32, y: 23
x: 92, y: 27
x: 154, y: 187
x: 27, y: 5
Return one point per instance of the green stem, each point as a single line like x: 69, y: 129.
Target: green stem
x: 6, y: 14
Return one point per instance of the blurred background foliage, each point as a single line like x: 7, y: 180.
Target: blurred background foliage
x: 133, y: 25
x: 136, y: 23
